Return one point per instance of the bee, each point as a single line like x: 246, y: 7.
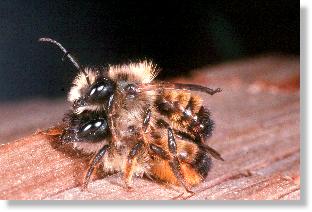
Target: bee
x: 135, y: 125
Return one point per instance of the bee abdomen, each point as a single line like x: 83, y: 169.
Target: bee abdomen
x: 202, y: 123
x: 202, y: 163
x: 179, y: 107
x: 188, y: 114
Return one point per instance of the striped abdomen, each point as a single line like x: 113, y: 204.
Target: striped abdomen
x: 186, y: 113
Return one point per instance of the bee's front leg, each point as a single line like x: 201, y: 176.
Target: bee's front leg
x: 131, y: 163
x: 132, y: 157
x: 94, y: 162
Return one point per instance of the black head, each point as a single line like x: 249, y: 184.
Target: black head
x: 88, y: 126
x: 101, y: 91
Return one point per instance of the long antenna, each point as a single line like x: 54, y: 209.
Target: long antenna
x: 66, y: 54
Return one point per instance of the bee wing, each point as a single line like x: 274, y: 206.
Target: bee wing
x: 177, y: 86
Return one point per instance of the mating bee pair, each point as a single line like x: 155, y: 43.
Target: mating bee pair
x: 137, y: 126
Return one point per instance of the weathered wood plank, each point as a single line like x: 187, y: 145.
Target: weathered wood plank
x: 21, y: 118
x: 257, y: 132
x: 32, y: 168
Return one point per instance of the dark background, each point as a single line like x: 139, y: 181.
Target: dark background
x: 177, y: 36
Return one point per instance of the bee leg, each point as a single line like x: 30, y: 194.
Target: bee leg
x: 131, y: 162
x: 174, y: 162
x: 94, y: 162
x: 201, y: 142
x: 160, y: 152
x: 146, y: 120
x: 112, y: 127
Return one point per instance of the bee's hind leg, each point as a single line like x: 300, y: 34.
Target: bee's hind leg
x: 174, y: 162
x: 172, y: 159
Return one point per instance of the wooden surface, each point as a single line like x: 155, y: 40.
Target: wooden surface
x: 257, y: 132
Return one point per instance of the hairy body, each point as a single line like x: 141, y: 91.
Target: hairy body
x: 136, y: 126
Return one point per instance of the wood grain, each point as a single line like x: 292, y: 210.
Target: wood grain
x: 257, y: 132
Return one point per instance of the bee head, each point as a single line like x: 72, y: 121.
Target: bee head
x: 101, y: 91
x: 93, y: 88
x: 93, y: 95
x: 85, y: 90
x: 89, y: 126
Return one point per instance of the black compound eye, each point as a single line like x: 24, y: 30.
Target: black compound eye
x: 101, y: 90
x: 94, y: 130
